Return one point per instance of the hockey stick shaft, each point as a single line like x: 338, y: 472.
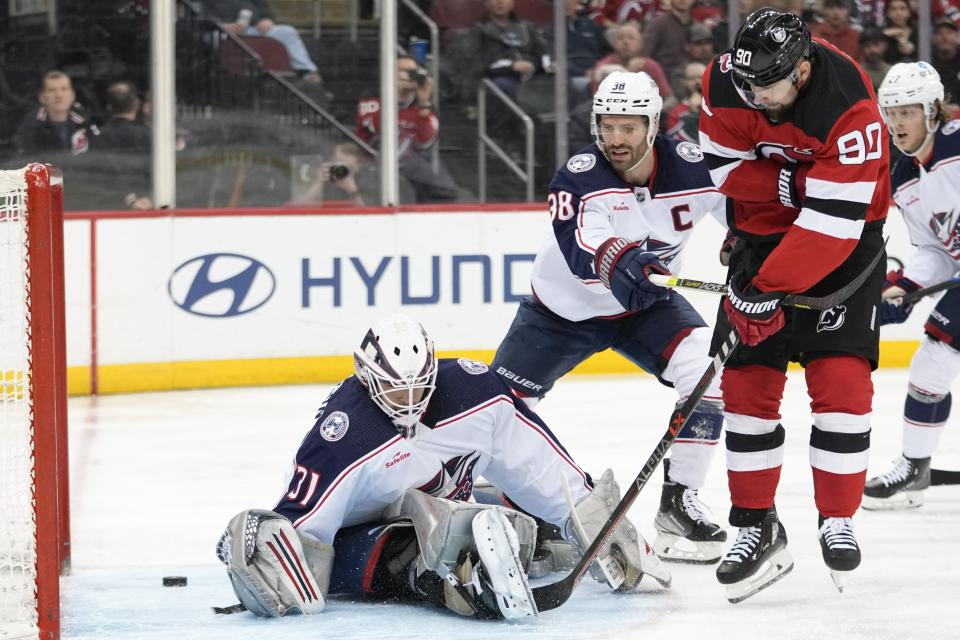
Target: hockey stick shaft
x: 912, y: 297
x: 551, y: 596
x: 943, y: 476
x: 818, y: 303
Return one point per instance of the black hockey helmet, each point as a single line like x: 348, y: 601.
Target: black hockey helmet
x: 767, y: 48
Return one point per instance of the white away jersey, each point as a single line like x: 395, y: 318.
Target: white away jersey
x: 929, y: 199
x: 589, y: 203
x: 353, y: 463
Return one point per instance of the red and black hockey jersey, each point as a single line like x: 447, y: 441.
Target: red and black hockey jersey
x: 836, y: 126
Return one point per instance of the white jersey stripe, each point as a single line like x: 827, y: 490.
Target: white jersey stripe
x: 709, y: 146
x: 829, y: 225
x: 850, y: 191
x: 480, y: 407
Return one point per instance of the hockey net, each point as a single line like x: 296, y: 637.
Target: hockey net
x: 33, y: 490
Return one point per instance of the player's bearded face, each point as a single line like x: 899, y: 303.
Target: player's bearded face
x: 624, y: 139
x: 907, y: 125
x: 775, y: 98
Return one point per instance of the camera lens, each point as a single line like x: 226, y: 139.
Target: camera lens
x: 339, y: 172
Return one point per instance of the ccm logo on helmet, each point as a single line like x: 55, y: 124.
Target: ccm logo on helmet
x: 751, y: 307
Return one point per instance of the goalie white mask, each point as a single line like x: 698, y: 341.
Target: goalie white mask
x: 912, y: 83
x: 397, y: 365
x: 624, y: 93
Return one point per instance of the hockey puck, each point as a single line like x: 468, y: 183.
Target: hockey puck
x: 174, y: 581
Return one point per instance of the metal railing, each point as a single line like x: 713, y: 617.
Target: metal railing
x: 486, y: 142
x: 434, y: 66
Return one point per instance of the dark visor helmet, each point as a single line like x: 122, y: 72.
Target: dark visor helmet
x: 766, y: 50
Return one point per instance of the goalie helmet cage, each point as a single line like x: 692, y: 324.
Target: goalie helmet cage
x: 34, y: 525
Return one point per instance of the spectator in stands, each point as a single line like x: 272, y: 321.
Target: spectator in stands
x: 122, y: 149
x: 945, y: 11
x: 873, y: 49
x: 124, y: 131
x: 945, y: 58
x: 586, y: 43
x: 610, y: 13
x: 700, y: 44
x: 665, y: 37
x: 836, y: 28
x: 900, y: 32
x: 254, y: 18
x: 508, y: 50
x: 59, y: 124
x: 418, y: 130
x: 627, y: 47
x: 683, y: 121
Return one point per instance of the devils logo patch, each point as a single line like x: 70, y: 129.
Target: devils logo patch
x: 832, y: 319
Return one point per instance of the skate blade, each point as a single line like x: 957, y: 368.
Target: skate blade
x: 839, y: 579
x: 777, y: 566
x: 673, y: 548
x: 896, y: 502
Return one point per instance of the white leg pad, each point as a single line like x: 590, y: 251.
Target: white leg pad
x: 499, y: 551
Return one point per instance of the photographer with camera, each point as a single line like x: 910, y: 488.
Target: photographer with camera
x: 418, y: 131
x: 345, y: 179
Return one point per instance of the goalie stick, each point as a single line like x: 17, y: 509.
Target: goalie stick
x: 551, y: 596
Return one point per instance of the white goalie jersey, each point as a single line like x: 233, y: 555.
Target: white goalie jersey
x: 928, y: 196
x: 589, y: 203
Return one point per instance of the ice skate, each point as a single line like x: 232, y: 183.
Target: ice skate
x: 757, y: 559
x: 840, y: 549
x: 899, y: 488
x: 685, y: 532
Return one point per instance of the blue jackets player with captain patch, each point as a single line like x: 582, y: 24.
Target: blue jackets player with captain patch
x: 621, y: 209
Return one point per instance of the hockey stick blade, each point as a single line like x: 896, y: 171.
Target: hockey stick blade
x: 551, y: 596
x: 941, y: 477
x: 818, y: 303
x: 913, y: 296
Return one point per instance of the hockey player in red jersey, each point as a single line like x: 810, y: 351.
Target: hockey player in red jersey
x: 792, y: 134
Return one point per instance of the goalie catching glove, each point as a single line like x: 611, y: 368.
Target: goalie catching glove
x: 624, y: 269
x: 755, y: 315
x: 626, y: 556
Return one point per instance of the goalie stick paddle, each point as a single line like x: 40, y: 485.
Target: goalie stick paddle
x: 551, y: 596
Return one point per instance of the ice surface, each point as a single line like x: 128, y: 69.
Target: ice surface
x: 156, y: 477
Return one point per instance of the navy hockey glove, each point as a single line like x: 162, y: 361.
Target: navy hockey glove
x: 791, y: 184
x: 623, y: 268
x: 895, y: 286
x: 755, y: 315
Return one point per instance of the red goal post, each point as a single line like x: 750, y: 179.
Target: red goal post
x: 34, y: 497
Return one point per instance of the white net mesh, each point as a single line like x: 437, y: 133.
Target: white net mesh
x: 18, y: 606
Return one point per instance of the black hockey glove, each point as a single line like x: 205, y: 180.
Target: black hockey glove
x: 791, y: 184
x: 623, y: 268
x: 756, y: 315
